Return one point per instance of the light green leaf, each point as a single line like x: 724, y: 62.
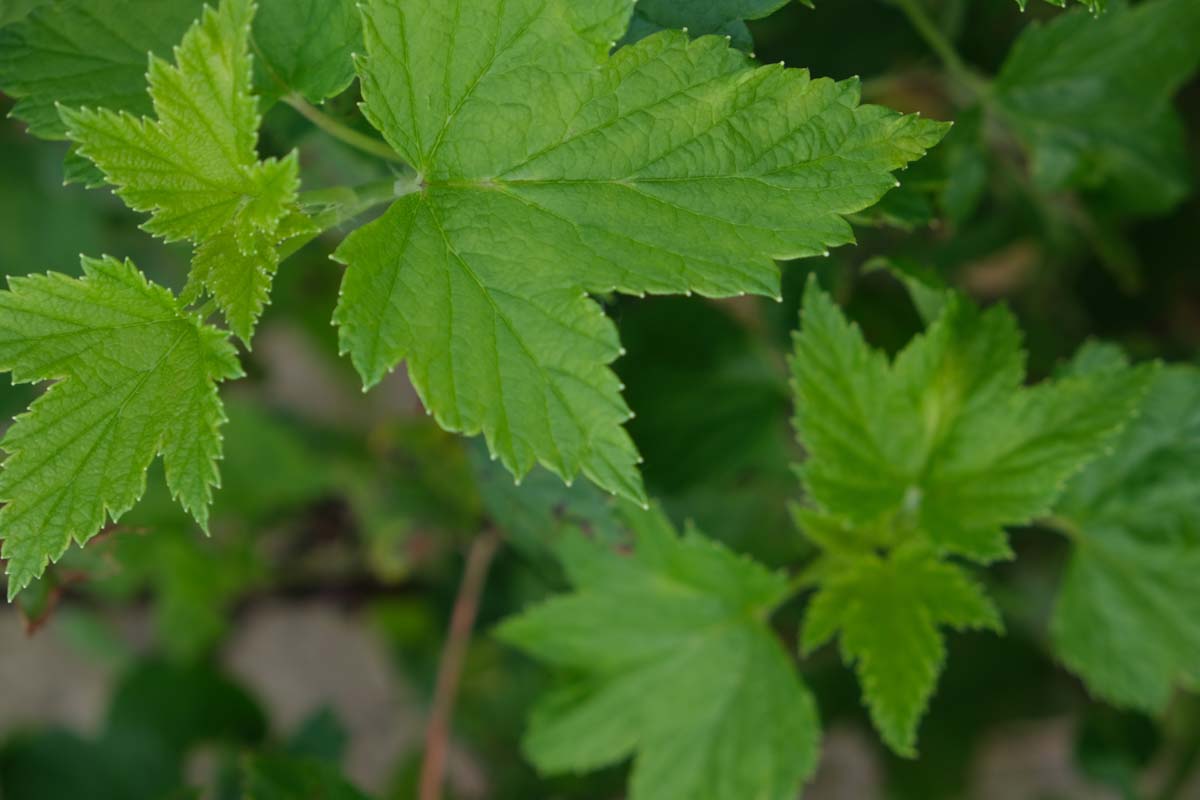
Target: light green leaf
x: 548, y: 170
x: 305, y: 46
x: 944, y: 443
x: 701, y: 18
x: 671, y: 662
x: 135, y: 377
x: 1136, y: 555
x: 195, y: 170
x: 1091, y: 98
x: 87, y: 53
x: 887, y: 612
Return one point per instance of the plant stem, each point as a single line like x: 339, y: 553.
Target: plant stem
x: 928, y: 30
x: 206, y: 310
x: 342, y: 204
x: 462, y: 621
x: 342, y: 132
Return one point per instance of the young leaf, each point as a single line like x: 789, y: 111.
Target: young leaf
x: 87, y: 53
x: 701, y: 18
x: 887, y: 612
x: 548, y: 170
x: 944, y: 442
x: 305, y: 46
x: 1136, y: 555
x: 195, y: 169
x: 135, y: 377
x: 670, y: 660
x: 1091, y: 98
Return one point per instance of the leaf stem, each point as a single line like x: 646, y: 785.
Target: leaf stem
x: 341, y: 131
x: 333, y: 207
x: 929, y: 30
x: 206, y: 310
x: 462, y: 621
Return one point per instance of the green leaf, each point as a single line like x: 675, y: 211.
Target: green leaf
x: 1136, y: 555
x: 87, y: 53
x: 944, y: 442
x: 210, y: 189
x: 16, y: 10
x: 887, y: 612
x: 670, y: 660
x: 1091, y: 99
x: 305, y: 46
x: 701, y: 18
x: 670, y: 167
x: 135, y: 377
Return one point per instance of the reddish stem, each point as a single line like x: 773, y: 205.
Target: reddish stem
x: 458, y: 638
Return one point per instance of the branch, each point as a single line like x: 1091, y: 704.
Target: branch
x: 462, y: 621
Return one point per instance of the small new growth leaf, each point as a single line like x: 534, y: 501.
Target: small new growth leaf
x: 195, y: 170
x: 930, y: 454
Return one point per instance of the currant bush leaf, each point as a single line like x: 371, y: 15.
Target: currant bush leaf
x: 87, y: 53
x: 1091, y: 98
x: 669, y: 167
x: 135, y: 377
x: 195, y: 170
x: 887, y: 612
x: 672, y: 663
x: 305, y: 46
x: 944, y: 440
x: 701, y: 18
x: 1136, y: 555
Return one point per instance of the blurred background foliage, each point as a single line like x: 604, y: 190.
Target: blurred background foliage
x: 293, y: 653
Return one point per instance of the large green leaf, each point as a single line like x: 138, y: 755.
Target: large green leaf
x: 89, y: 53
x: 1091, y: 98
x: 669, y: 659
x: 1128, y: 614
x: 549, y: 170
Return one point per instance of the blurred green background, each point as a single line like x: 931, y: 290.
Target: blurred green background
x: 301, y: 640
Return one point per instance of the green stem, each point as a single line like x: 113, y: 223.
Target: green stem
x: 331, y: 208
x: 206, y: 310
x: 342, y: 132
x: 929, y: 30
